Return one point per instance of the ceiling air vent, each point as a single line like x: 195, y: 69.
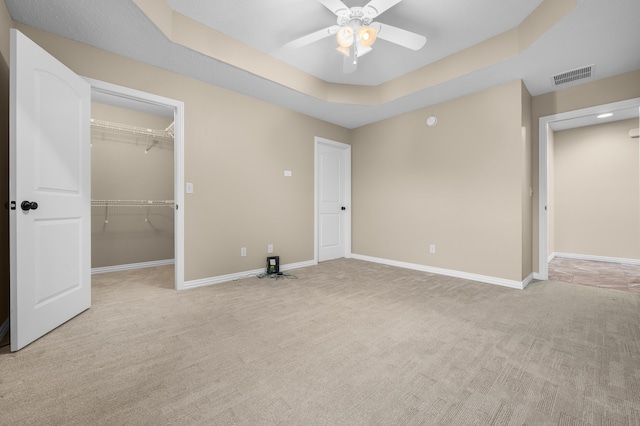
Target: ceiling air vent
x: 573, y: 75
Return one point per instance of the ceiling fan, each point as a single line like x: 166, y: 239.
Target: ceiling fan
x: 356, y: 32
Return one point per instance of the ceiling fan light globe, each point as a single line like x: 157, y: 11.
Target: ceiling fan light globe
x: 367, y: 36
x: 345, y: 36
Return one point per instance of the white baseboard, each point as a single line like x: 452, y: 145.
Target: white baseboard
x: 448, y: 272
x: 440, y: 271
x: 528, y: 280
x: 240, y: 275
x: 538, y: 276
x: 116, y: 268
x: 4, y: 329
x: 622, y: 260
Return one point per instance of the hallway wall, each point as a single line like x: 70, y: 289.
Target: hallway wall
x: 597, y: 191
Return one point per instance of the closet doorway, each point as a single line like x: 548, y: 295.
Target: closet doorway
x: 136, y: 180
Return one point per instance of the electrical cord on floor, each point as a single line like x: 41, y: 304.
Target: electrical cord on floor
x: 278, y: 276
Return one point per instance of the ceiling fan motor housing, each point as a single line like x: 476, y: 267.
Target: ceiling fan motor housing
x: 354, y: 14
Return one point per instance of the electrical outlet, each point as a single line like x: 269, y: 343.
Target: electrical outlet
x: 270, y: 248
x: 432, y: 248
x: 243, y: 251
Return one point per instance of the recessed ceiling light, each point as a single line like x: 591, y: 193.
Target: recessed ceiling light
x: 608, y: 114
x: 432, y: 121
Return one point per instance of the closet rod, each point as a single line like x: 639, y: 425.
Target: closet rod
x: 108, y: 125
x: 132, y: 203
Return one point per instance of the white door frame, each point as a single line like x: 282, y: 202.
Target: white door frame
x: 347, y: 195
x: 178, y: 159
x: 543, y: 181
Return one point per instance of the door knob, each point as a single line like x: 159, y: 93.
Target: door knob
x: 28, y: 205
x: 343, y: 208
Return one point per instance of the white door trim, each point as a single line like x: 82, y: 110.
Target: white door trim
x: 543, y: 182
x: 347, y: 195
x: 178, y: 159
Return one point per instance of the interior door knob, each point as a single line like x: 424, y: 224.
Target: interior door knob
x: 343, y: 208
x: 28, y: 205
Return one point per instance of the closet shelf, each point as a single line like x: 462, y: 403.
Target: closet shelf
x: 108, y: 125
x: 130, y: 207
x: 132, y: 203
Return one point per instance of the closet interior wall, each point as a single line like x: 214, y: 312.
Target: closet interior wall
x: 132, y: 184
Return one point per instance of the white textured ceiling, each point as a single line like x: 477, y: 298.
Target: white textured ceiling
x: 269, y: 25
x: 601, y: 32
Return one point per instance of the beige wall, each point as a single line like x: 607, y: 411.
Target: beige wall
x: 604, y: 91
x: 120, y: 170
x: 457, y: 185
x: 236, y: 149
x: 597, y: 191
x: 5, y: 25
x: 527, y: 184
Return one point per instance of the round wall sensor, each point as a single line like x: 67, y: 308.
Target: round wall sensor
x: 432, y: 121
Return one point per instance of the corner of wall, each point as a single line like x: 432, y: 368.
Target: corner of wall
x: 527, y: 183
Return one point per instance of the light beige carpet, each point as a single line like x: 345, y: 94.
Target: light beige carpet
x: 348, y: 343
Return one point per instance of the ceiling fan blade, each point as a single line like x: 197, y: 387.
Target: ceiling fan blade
x: 349, y: 65
x: 313, y: 37
x: 362, y: 50
x: 399, y: 36
x: 377, y: 7
x: 334, y: 5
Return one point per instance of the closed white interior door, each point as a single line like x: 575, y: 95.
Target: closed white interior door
x: 50, y: 183
x: 333, y: 193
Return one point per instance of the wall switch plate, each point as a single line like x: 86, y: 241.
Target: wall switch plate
x: 287, y: 173
x: 189, y: 188
x: 243, y: 251
x: 270, y: 248
x: 432, y: 248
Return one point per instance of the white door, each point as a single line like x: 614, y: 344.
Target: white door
x: 333, y: 163
x: 50, y: 247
